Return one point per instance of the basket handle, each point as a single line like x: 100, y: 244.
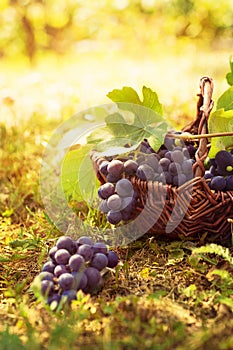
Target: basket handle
x: 204, y: 107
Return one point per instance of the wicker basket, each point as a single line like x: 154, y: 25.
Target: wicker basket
x: 206, y: 211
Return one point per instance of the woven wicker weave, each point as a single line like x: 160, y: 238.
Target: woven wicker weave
x: 205, y: 213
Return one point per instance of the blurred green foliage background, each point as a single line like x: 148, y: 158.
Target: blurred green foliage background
x: 37, y: 27
x: 58, y: 57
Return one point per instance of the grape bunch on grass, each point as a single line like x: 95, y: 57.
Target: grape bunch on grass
x: 73, y: 266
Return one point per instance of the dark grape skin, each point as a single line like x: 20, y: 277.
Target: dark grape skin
x: 86, y: 251
x: 76, y: 262
x: 152, y: 161
x: 179, y: 180
x: 145, y: 172
x: 115, y: 167
x: 62, y: 256
x: 100, y: 247
x: 93, y: 277
x: 104, y: 167
x: 46, y: 276
x: 174, y: 169
x: 177, y: 156
x: 65, y: 242
x: 69, y: 294
x: 114, y: 202
x: 106, y: 190
x: 224, y: 161
x: 47, y: 287
x: 66, y: 281
x: 112, y: 259
x: 99, y: 261
x: 218, y: 183
x: 130, y: 167
x: 104, y: 207
x: 80, y: 280
x: 84, y: 240
x: 124, y: 188
x: 114, y: 217
x: 59, y: 270
x: 229, y: 183
x: 52, y: 252
x: 208, y: 175
x: 164, y: 163
x: 49, y: 266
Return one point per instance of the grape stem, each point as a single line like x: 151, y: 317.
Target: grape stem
x: 187, y: 136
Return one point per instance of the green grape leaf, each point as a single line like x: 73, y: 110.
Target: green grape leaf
x: 147, y: 120
x: 225, y: 101
x: 229, y: 76
x: 150, y: 100
x: 126, y: 94
x: 220, y: 121
x: 78, y: 179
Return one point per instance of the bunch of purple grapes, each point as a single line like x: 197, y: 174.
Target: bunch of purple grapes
x: 220, y: 172
x: 171, y: 165
x: 73, y: 266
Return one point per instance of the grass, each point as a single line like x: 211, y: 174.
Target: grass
x: 163, y: 295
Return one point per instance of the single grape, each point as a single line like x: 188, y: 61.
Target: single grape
x: 115, y: 167
x: 76, y: 262
x: 113, y: 178
x: 168, y: 155
x: 46, y: 276
x: 130, y: 167
x: 54, y: 300
x: 100, y: 247
x: 128, y: 203
x: 114, y: 202
x: 164, y: 163
x: 145, y: 172
x: 80, y: 280
x: 124, y: 188
x: 192, y: 150
x: 84, y: 240
x: 178, y: 156
x: 229, y: 183
x: 66, y: 281
x: 86, y: 251
x: 59, y: 270
x: 106, y: 190
x: 67, y: 243
x: 213, y: 170
x: 218, y: 183
x: 179, y: 180
x: 152, y: 161
x: 169, y: 142
x: 70, y: 295
x: 93, y: 277
x: 104, y: 167
x: 186, y: 152
x: 168, y: 178
x: 104, y: 207
x: 208, y: 175
x: 187, y: 166
x: 112, y: 259
x: 174, y: 169
x: 114, y: 217
x: 224, y: 161
x: 99, y: 261
x: 49, y: 266
x: 52, y: 252
x: 62, y: 256
x: 47, y: 287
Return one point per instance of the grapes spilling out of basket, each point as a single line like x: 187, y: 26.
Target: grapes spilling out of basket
x: 219, y: 173
x: 171, y: 165
x: 73, y: 266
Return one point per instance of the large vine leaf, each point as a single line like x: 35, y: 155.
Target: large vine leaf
x: 78, y: 178
x: 220, y: 121
x: 225, y: 101
x: 147, y: 122
x: 229, y: 75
